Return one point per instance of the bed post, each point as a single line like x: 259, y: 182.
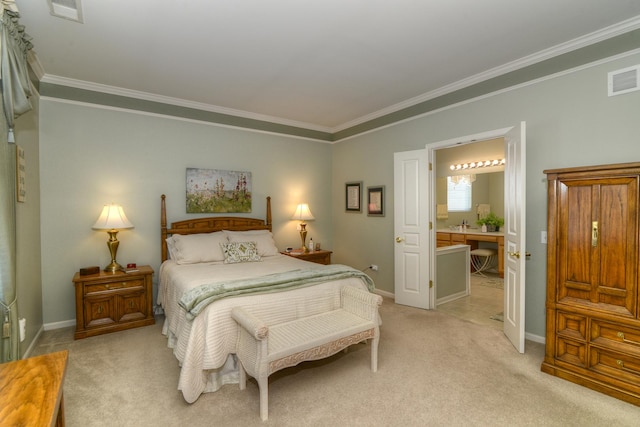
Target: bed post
x: 163, y: 227
x: 269, y: 212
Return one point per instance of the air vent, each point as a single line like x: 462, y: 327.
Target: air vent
x: 624, y: 81
x: 67, y: 9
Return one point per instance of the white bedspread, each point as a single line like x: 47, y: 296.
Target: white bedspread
x: 205, y: 345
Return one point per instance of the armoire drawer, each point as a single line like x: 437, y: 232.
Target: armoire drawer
x: 571, y: 325
x: 614, y: 364
x: 617, y: 336
x: 570, y: 351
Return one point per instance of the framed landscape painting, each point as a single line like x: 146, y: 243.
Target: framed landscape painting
x: 218, y: 191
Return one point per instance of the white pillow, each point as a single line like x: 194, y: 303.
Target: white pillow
x: 171, y: 248
x: 195, y: 248
x: 235, y: 252
x: 263, y: 238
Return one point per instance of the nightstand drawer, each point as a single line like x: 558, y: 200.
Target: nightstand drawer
x: 106, y: 287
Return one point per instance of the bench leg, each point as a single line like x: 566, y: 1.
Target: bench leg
x: 243, y: 376
x: 374, y: 354
x: 263, y: 385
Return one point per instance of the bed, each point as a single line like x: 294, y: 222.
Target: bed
x: 202, y: 277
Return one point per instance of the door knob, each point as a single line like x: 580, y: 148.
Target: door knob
x: 517, y: 254
x: 399, y: 239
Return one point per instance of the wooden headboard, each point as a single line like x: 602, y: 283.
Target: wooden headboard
x: 208, y: 225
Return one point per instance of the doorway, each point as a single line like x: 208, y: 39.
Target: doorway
x: 484, y: 303
x: 413, y: 216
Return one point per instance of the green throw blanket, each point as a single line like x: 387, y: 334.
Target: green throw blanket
x: 196, y: 299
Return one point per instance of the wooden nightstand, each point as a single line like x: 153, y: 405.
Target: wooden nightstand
x: 319, y: 257
x: 110, y: 302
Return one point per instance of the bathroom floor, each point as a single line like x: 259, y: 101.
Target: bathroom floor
x: 485, y: 301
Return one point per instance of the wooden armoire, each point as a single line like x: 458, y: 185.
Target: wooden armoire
x: 593, y: 320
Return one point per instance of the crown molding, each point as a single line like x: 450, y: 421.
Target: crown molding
x: 564, y: 48
x: 575, y: 44
x: 128, y: 93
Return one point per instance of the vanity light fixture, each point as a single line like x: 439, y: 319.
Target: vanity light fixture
x: 476, y: 165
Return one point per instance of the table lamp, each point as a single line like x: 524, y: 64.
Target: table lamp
x: 303, y: 214
x: 112, y: 219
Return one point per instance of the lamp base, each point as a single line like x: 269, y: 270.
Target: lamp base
x: 303, y: 237
x: 113, y: 243
x: 113, y: 267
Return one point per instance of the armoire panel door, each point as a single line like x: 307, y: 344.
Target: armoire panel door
x: 598, y: 226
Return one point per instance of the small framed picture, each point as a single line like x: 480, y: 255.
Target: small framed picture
x: 375, y: 201
x: 353, y: 196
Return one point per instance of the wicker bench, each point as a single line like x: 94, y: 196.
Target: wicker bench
x: 264, y: 349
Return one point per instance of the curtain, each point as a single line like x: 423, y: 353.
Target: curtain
x: 14, y: 46
x: 15, y: 88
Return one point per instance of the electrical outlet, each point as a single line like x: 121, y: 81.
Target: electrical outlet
x: 543, y: 237
x: 373, y: 267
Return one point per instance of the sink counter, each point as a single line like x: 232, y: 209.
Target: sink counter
x: 471, y: 237
x: 471, y: 231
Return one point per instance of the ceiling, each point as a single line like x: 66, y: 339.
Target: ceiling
x: 323, y: 65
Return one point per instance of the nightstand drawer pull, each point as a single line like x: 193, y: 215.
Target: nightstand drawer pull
x: 99, y: 309
x: 620, y: 363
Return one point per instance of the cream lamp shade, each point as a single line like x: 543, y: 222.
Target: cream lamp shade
x: 112, y: 219
x: 302, y: 214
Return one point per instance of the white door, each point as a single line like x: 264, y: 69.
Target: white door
x: 411, y: 227
x: 514, y: 235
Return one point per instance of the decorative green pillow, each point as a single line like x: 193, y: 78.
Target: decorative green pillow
x: 235, y: 252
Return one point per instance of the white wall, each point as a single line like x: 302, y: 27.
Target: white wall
x: 91, y: 156
x: 570, y: 122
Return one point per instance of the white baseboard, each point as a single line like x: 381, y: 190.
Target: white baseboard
x: 385, y: 293
x: 35, y: 340
x: 534, y: 338
x: 452, y: 297
x: 59, y: 325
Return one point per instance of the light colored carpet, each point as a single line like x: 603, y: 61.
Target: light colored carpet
x: 499, y: 317
x: 434, y: 370
x: 486, y: 299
